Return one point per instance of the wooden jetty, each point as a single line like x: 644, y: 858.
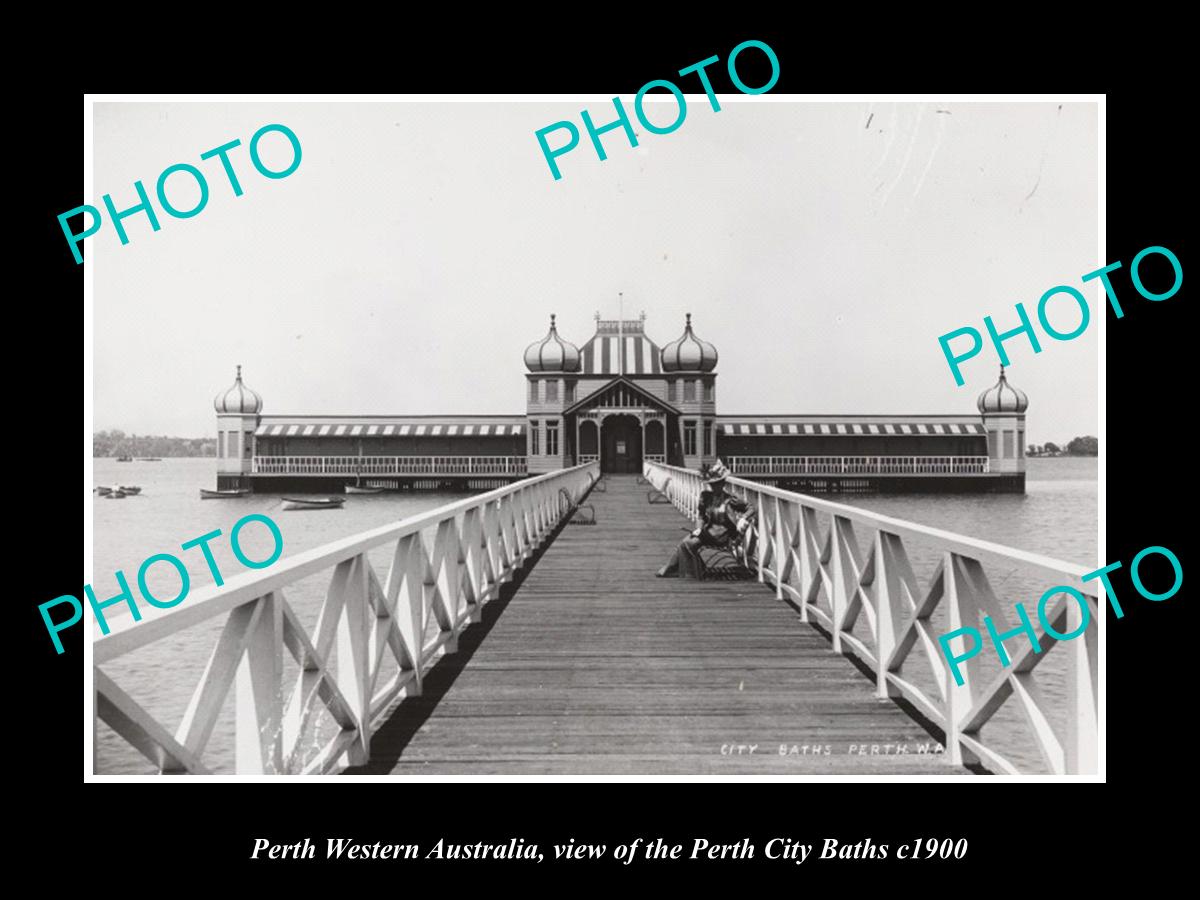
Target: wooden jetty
x: 595, y: 666
x: 501, y: 639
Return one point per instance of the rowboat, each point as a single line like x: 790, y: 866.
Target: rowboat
x: 115, y: 494
x: 313, y: 502
x: 130, y: 489
x: 103, y: 490
x: 227, y: 492
x: 355, y: 489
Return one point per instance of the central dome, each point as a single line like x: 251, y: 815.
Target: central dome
x: 552, y: 353
x: 1002, y: 397
x: 689, y: 353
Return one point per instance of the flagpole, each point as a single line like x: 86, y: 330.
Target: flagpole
x: 621, y: 331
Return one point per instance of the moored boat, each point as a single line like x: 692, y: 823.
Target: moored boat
x: 115, y: 494
x: 313, y: 502
x: 226, y: 492
x: 124, y: 459
x: 129, y: 489
x: 103, y: 490
x: 355, y: 489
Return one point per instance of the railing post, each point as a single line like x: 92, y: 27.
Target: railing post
x: 810, y: 556
x: 259, y: 729
x: 448, y: 556
x: 405, y: 592
x: 763, y: 547
x: 521, y: 520
x: 353, y: 661
x: 473, y: 564
x: 512, y: 541
x: 838, y: 599
x: 960, y: 613
x: 492, y: 542
x: 1082, y: 744
x: 782, y: 551
x: 887, y: 606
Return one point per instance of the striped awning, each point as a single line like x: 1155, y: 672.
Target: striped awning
x: 850, y: 429
x: 423, y: 429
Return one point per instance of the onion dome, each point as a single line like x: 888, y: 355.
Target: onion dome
x: 552, y: 353
x: 238, y: 398
x: 689, y: 353
x: 1002, y: 397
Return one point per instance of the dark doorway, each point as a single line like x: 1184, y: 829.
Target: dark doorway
x: 656, y: 444
x: 589, y: 439
x: 621, y: 445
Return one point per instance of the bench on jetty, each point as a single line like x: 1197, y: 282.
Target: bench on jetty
x: 594, y: 666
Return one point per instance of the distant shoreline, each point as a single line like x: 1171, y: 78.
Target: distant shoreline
x: 116, y: 443
x: 155, y: 458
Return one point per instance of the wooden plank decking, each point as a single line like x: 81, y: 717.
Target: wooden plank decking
x: 594, y: 666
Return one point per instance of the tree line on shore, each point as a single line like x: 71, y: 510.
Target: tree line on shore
x: 1079, y: 446
x: 118, y: 443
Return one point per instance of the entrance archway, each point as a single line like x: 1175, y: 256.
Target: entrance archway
x: 621, y: 444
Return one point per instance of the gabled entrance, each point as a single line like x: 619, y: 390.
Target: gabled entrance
x: 622, y: 425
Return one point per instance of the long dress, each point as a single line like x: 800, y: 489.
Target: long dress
x: 718, y: 526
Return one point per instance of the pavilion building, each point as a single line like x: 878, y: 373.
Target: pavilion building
x: 621, y: 399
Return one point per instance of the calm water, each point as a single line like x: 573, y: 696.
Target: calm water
x: 1056, y: 517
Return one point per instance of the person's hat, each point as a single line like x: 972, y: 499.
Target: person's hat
x: 714, y: 474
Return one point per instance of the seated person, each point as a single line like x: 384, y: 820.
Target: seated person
x: 723, y: 518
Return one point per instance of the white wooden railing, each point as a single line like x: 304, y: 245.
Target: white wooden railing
x: 585, y: 458
x: 655, y: 457
x: 858, y: 465
x: 445, y: 564
x: 824, y: 571
x: 389, y: 465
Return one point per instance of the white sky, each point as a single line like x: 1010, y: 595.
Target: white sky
x: 420, y: 247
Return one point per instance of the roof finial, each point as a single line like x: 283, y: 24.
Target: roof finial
x: 621, y: 332
x: 1001, y: 371
x: 597, y: 316
x: 239, y: 372
x: 552, y: 321
x: 689, y: 320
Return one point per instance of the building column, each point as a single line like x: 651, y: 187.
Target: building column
x: 642, y: 422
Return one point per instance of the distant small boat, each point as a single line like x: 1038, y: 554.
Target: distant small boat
x: 124, y: 459
x: 355, y: 489
x: 313, y: 502
x: 227, y: 492
x: 115, y: 494
x: 149, y: 459
x: 103, y: 490
x: 130, y: 489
